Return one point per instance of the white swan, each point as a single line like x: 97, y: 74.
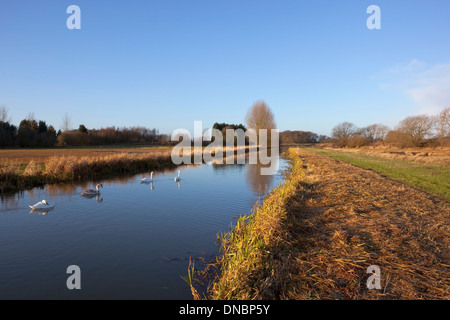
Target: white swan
x: 176, y: 179
x: 91, y: 192
x: 148, y: 179
x: 43, y: 205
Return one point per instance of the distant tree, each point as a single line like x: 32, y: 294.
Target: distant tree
x: 66, y: 123
x: 323, y: 138
x: 399, y: 139
x: 7, y: 130
x: 31, y: 117
x: 82, y: 129
x: 343, y: 132
x: 4, y: 114
x: 42, y: 127
x: 381, y: 131
x: 8, y: 134
x: 32, y: 133
x: 442, y: 124
x: 358, y: 140
x: 221, y: 126
x: 260, y: 116
x: 293, y: 137
x: 374, y: 132
x: 27, y: 133
x: 417, y: 127
x: 47, y: 137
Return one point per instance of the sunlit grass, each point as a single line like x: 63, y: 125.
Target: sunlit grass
x: 249, y: 249
x: 19, y: 173
x: 431, y: 178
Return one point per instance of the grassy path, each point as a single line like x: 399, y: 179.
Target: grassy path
x: 427, y: 177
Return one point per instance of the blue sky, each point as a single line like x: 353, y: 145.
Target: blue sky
x: 165, y: 64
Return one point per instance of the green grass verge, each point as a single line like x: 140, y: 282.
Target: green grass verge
x: 429, y: 178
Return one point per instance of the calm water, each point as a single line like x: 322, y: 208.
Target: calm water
x: 132, y: 242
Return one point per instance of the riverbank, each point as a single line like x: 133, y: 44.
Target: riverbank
x: 22, y: 169
x: 25, y: 169
x: 315, y: 236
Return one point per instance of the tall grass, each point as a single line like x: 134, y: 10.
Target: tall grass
x: 249, y: 262
x: 16, y: 175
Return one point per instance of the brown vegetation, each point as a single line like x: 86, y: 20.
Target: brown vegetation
x: 414, y: 131
x: 439, y: 156
x: 259, y: 116
x: 22, y: 169
x: 321, y: 237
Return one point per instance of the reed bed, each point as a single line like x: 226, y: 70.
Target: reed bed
x: 16, y: 174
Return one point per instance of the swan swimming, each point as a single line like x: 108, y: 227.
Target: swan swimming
x: 91, y: 192
x: 148, y: 179
x: 176, y: 179
x: 43, y: 205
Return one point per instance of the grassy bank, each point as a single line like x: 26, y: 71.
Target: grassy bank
x: 27, y: 168
x: 316, y: 235
x: 251, y: 250
x: 38, y: 167
x: 431, y: 178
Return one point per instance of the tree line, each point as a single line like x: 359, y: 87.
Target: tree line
x: 37, y: 133
x: 413, y: 131
x: 298, y: 137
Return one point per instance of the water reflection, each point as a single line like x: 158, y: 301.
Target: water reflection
x: 57, y: 189
x: 177, y: 178
x: 149, y: 183
x: 41, y: 212
x: 42, y: 207
x: 91, y: 196
x: 11, y: 202
x: 258, y: 183
x: 160, y: 221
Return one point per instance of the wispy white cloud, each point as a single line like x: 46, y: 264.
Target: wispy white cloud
x: 428, y: 87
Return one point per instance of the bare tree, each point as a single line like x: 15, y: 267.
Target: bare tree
x: 259, y: 116
x: 375, y: 132
x: 4, y: 114
x: 417, y: 127
x: 381, y: 131
x: 66, y: 123
x: 343, y: 132
x: 31, y: 116
x: 442, y: 124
